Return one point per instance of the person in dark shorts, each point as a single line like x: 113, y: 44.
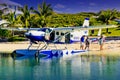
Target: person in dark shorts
x: 87, y: 43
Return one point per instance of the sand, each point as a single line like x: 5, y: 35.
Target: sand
x: 110, y: 46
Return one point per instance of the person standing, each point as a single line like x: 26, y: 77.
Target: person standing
x: 101, y: 42
x: 82, y: 42
x: 87, y: 43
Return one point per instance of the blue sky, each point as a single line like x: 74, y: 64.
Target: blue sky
x: 74, y: 6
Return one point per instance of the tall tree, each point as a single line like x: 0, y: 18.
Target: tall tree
x: 8, y: 15
x: 107, y: 15
x: 25, y: 17
x: 43, y: 12
x: 11, y: 18
x: 4, y: 8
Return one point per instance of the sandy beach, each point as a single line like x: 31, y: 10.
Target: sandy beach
x: 110, y: 46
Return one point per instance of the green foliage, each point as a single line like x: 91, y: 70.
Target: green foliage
x: 1, y: 12
x: 5, y: 33
x: 111, y: 32
x: 45, y: 17
x: 65, y: 20
x: 4, y: 8
x: 19, y: 33
x: 16, y: 38
x: 25, y: 17
x: 44, y: 11
x: 10, y: 17
x: 106, y: 15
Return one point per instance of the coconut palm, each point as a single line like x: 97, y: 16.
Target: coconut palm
x: 107, y: 15
x: 11, y: 20
x: 25, y: 17
x: 10, y: 17
x: 1, y: 12
x: 43, y: 12
x: 3, y: 9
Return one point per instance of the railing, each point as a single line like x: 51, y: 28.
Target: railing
x: 113, y: 38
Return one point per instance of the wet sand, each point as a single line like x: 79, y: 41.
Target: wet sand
x: 109, y: 47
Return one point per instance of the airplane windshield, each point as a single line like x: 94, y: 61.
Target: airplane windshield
x: 46, y: 30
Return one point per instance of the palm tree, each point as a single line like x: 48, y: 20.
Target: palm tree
x: 25, y: 17
x: 107, y: 15
x: 10, y: 17
x: 3, y: 9
x: 11, y: 20
x: 43, y: 12
x: 1, y: 12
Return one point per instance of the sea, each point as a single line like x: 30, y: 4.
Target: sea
x: 76, y: 67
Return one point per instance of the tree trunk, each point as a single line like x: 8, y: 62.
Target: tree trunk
x: 107, y: 30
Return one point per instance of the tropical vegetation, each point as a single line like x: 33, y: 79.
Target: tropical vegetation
x: 46, y: 17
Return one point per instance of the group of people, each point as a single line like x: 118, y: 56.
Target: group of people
x: 85, y: 41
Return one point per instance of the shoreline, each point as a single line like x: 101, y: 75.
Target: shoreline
x: 9, y: 47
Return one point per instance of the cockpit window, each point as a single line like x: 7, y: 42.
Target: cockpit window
x: 47, y: 30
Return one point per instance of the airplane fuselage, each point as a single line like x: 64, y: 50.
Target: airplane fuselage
x: 59, y: 36
x: 35, y: 35
x: 64, y: 35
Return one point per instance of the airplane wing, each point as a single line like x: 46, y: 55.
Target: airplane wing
x: 101, y: 27
x: 83, y: 28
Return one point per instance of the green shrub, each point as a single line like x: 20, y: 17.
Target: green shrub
x: 5, y: 33
x: 19, y: 33
x: 16, y: 38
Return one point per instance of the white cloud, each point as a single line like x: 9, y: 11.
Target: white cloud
x: 57, y: 6
x: 58, y: 11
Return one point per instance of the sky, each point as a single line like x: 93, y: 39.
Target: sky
x: 73, y: 6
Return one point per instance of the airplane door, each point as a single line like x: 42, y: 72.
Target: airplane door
x: 67, y: 38
x: 52, y: 36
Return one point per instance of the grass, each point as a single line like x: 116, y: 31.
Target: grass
x: 111, y: 32
x: 16, y: 38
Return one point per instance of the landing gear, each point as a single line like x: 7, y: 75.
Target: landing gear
x: 37, y: 54
x: 38, y: 49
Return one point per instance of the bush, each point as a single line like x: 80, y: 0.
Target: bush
x: 19, y: 33
x: 5, y: 33
x: 16, y: 38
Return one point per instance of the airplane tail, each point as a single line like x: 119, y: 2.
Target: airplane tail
x: 85, y: 25
x: 86, y: 22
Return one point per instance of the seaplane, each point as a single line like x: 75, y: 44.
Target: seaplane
x: 55, y: 36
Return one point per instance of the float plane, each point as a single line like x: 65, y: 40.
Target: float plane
x: 65, y: 35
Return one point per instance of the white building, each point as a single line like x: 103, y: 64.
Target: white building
x: 11, y: 7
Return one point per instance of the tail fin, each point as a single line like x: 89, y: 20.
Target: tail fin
x: 86, y: 22
x: 85, y: 25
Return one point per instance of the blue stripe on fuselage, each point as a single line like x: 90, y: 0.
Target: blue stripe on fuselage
x: 72, y: 41
x: 36, y: 38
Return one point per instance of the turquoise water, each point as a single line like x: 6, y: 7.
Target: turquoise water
x: 79, y: 67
